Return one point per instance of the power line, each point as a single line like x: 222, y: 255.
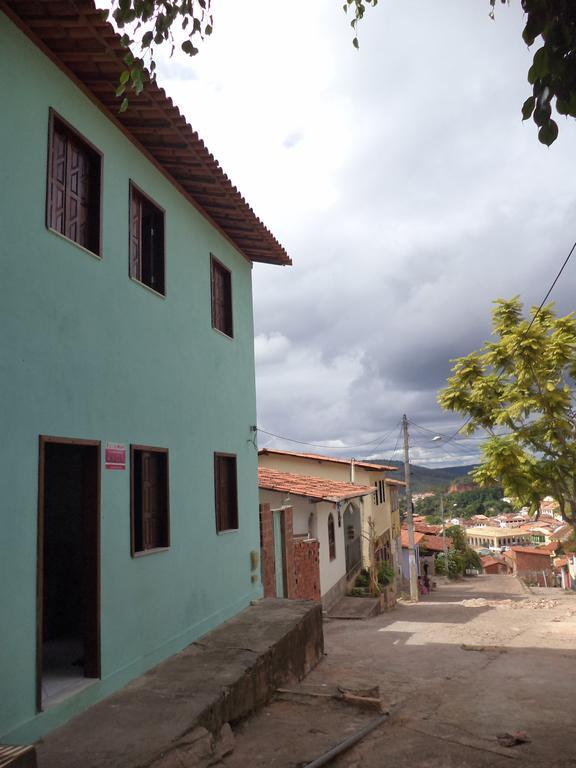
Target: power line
x: 389, y: 457
x: 375, y: 443
x: 447, y: 439
x: 566, y: 260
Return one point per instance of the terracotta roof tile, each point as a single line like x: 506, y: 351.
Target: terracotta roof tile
x: 319, y: 457
x: 404, y: 538
x: 318, y: 488
x: 432, y: 530
x: 75, y: 36
x: 532, y: 551
x: 436, y: 543
x: 487, y: 560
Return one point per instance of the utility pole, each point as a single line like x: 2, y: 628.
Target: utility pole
x: 444, y: 532
x: 411, y: 552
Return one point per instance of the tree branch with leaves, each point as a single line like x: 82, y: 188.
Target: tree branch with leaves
x: 520, y: 390
x: 186, y: 23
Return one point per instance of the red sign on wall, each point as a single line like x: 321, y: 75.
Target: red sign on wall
x: 115, y: 456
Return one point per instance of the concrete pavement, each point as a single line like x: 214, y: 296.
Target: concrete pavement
x: 470, y: 661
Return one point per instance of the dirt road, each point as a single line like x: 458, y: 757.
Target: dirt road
x: 471, y: 661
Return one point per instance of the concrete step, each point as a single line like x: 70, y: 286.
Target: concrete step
x: 176, y: 713
x: 355, y: 608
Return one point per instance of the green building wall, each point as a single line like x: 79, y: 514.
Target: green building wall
x: 88, y: 353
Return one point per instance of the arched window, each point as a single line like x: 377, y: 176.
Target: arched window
x: 331, y: 537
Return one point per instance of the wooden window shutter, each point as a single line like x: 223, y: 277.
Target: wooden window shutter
x: 221, y: 288
x: 135, y: 236
x: 218, y: 492
x: 225, y: 493
x: 78, y: 195
x: 57, y: 182
x: 73, y: 189
x: 153, y: 500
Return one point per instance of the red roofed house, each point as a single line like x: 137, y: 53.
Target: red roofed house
x: 319, y: 512
x: 566, y: 567
x: 382, y: 507
x: 492, y: 565
x: 534, y: 564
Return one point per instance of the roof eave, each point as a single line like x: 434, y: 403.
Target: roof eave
x: 55, y: 32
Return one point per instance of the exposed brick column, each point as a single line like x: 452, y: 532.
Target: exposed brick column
x: 307, y: 569
x: 267, y: 556
x: 288, y: 552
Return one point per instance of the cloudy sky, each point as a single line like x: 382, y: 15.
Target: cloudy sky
x: 405, y: 187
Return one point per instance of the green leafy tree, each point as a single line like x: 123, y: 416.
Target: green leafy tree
x: 519, y: 388
x: 182, y: 23
x: 553, y: 71
x: 185, y: 23
x: 456, y: 533
x: 455, y: 564
x: 471, y: 559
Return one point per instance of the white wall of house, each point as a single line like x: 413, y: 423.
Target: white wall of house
x: 331, y: 571
x: 301, y: 509
x: 312, y: 518
x: 380, y: 511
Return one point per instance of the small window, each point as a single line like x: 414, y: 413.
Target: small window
x: 73, y: 199
x: 146, y: 241
x: 331, y: 537
x: 221, y: 289
x: 225, y: 492
x: 376, y: 493
x: 383, y: 490
x: 150, y: 504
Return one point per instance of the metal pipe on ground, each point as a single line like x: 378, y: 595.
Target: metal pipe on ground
x: 328, y: 756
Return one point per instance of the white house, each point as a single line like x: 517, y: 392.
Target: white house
x: 322, y: 509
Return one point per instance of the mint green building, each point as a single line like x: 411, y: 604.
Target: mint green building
x: 129, y: 472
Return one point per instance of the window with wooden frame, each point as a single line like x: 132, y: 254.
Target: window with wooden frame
x: 331, y: 537
x: 73, y: 194
x: 221, y: 289
x: 147, y: 262
x: 150, y: 508
x: 225, y: 492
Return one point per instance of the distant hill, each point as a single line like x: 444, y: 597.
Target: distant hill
x: 425, y: 479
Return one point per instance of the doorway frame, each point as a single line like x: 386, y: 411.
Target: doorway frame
x: 44, y: 441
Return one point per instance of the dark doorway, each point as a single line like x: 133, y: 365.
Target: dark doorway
x: 353, y: 532
x: 68, y: 567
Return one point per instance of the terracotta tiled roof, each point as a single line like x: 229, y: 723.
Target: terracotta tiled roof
x: 436, y: 543
x: 404, y: 538
x: 312, y: 487
x: 75, y: 36
x: 532, y: 551
x: 487, y: 560
x: 552, y: 546
x: 333, y: 459
x: 432, y: 530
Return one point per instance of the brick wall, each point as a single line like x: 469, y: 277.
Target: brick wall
x: 267, y: 556
x: 306, y: 569
x: 288, y: 553
x: 527, y: 562
x: 301, y: 558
